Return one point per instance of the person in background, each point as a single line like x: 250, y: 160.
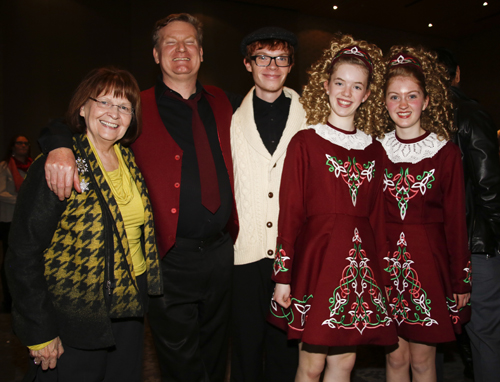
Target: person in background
x: 12, y: 173
x: 428, y: 261
x: 185, y: 156
x: 328, y: 270
x: 261, y: 129
x: 80, y: 270
x: 476, y: 137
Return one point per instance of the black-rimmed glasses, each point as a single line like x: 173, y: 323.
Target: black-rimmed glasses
x: 263, y: 60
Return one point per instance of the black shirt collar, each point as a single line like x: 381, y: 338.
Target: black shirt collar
x: 282, y: 103
x: 161, y: 88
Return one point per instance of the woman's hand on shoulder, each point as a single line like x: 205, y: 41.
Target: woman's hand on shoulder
x: 282, y: 295
x: 49, y: 355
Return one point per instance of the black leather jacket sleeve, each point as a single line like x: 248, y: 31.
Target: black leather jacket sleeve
x: 477, y: 138
x: 55, y: 135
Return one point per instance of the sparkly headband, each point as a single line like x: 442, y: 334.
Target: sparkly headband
x: 355, y: 51
x: 404, y: 59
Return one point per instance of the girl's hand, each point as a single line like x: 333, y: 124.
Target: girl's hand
x: 461, y: 299
x: 282, y: 295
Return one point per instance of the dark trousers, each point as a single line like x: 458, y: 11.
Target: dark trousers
x: 190, y: 321
x: 484, y: 326
x: 260, y: 352
x: 122, y: 362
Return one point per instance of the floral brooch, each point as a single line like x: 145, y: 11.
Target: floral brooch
x: 82, y: 167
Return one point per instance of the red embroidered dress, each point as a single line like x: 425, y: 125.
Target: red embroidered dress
x: 429, y: 258
x: 330, y: 237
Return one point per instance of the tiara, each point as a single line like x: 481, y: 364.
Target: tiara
x: 404, y: 59
x: 355, y: 51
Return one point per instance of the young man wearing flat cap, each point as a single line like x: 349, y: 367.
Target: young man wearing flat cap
x: 261, y: 129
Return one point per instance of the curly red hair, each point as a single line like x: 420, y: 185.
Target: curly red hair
x: 433, y: 79
x: 315, y: 100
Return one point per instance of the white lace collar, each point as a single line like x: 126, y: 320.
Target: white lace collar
x: 398, y: 151
x: 356, y: 141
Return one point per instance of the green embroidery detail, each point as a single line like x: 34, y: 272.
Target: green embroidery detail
x: 301, y: 306
x: 453, y: 309
x: 418, y: 310
x: 405, y: 186
x: 353, y: 173
x: 468, y: 273
x: 279, y: 261
x: 358, y: 302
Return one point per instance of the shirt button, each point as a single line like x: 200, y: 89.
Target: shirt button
x: 173, y: 210
x: 177, y: 157
x: 270, y: 252
x: 270, y: 194
x: 269, y: 224
x: 274, y: 165
x: 177, y: 185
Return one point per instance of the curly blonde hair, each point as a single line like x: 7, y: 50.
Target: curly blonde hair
x: 432, y: 79
x: 369, y: 115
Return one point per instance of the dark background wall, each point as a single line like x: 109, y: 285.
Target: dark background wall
x: 49, y: 45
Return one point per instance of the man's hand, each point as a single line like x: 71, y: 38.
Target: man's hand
x: 49, y: 355
x: 461, y: 299
x: 282, y: 295
x: 61, y: 172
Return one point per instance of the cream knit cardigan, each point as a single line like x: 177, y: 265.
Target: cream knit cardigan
x: 257, y: 178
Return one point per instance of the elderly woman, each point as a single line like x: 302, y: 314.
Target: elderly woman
x: 80, y: 270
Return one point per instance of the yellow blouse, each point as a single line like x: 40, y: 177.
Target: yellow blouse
x: 130, y: 203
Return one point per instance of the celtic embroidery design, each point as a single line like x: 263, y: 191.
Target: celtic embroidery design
x: 404, y: 277
x: 453, y: 309
x: 358, y: 302
x: 279, y: 261
x: 404, y: 186
x: 353, y: 173
x: 468, y: 273
x: 302, y: 307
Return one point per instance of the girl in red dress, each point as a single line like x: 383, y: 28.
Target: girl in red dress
x: 331, y: 234
x: 428, y: 262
